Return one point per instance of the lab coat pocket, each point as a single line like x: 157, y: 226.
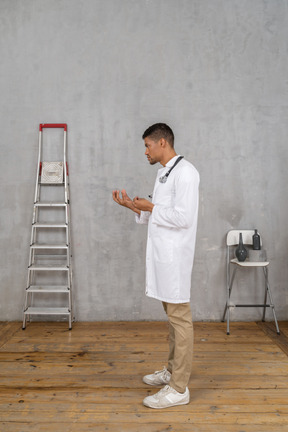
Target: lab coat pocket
x: 163, y: 250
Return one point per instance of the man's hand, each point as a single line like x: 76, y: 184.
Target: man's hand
x: 125, y: 201
x: 143, y: 204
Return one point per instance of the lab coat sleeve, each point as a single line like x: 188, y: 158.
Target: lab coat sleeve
x: 184, y: 212
x: 143, y: 218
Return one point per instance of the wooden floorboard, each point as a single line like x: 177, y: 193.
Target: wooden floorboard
x: 90, y: 378
x: 280, y: 340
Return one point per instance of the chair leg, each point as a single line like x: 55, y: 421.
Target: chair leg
x: 228, y: 321
x: 268, y: 290
x: 265, y: 295
x: 229, y: 289
x: 225, y: 311
x: 227, y: 306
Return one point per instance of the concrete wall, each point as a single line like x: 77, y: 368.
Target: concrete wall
x: 214, y: 70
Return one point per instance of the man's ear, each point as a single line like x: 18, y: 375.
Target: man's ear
x: 163, y: 142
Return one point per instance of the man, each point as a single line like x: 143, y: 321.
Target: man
x: 172, y: 223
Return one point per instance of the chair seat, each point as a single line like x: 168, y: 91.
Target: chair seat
x: 250, y: 263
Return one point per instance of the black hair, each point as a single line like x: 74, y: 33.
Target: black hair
x: 158, y: 131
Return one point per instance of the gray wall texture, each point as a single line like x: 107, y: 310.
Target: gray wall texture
x: 214, y: 70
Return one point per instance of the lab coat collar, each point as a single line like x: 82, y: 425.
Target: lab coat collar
x: 171, y: 161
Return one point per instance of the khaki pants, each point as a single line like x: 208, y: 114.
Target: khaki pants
x: 180, y: 344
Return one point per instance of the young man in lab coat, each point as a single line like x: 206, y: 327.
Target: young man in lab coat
x: 172, y: 222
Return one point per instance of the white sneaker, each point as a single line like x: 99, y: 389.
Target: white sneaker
x: 167, y: 397
x: 158, y: 377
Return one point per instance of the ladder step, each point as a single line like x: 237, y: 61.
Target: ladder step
x: 48, y: 246
x: 47, y: 311
x: 50, y: 204
x: 51, y: 183
x: 48, y: 289
x: 48, y: 267
x: 50, y: 225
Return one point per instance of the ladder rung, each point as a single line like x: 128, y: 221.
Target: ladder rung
x: 50, y: 204
x: 48, y: 289
x: 48, y: 267
x: 50, y: 225
x: 47, y: 311
x: 49, y: 246
x: 49, y: 259
x: 62, y: 183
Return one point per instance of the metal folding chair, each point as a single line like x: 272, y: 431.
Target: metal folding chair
x: 232, y: 240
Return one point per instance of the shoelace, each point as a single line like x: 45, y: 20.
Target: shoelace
x: 165, y: 389
x: 164, y: 370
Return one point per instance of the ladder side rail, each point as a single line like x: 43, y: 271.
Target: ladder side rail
x: 70, y: 299
x: 36, y: 208
x: 27, y: 294
x: 66, y: 196
x: 70, y: 272
x: 71, y: 291
x: 68, y: 255
x: 34, y: 235
x: 39, y: 166
x: 65, y: 167
x: 67, y: 234
x: 69, y: 250
x: 34, y: 221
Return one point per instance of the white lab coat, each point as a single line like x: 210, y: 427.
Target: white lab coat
x: 172, y: 233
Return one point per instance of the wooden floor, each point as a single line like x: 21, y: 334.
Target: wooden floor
x: 90, y: 378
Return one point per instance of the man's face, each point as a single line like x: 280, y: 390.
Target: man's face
x: 153, y: 150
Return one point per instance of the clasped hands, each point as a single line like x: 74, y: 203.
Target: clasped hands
x: 137, y: 204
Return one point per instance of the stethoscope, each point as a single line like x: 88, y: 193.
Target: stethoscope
x: 163, y: 179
